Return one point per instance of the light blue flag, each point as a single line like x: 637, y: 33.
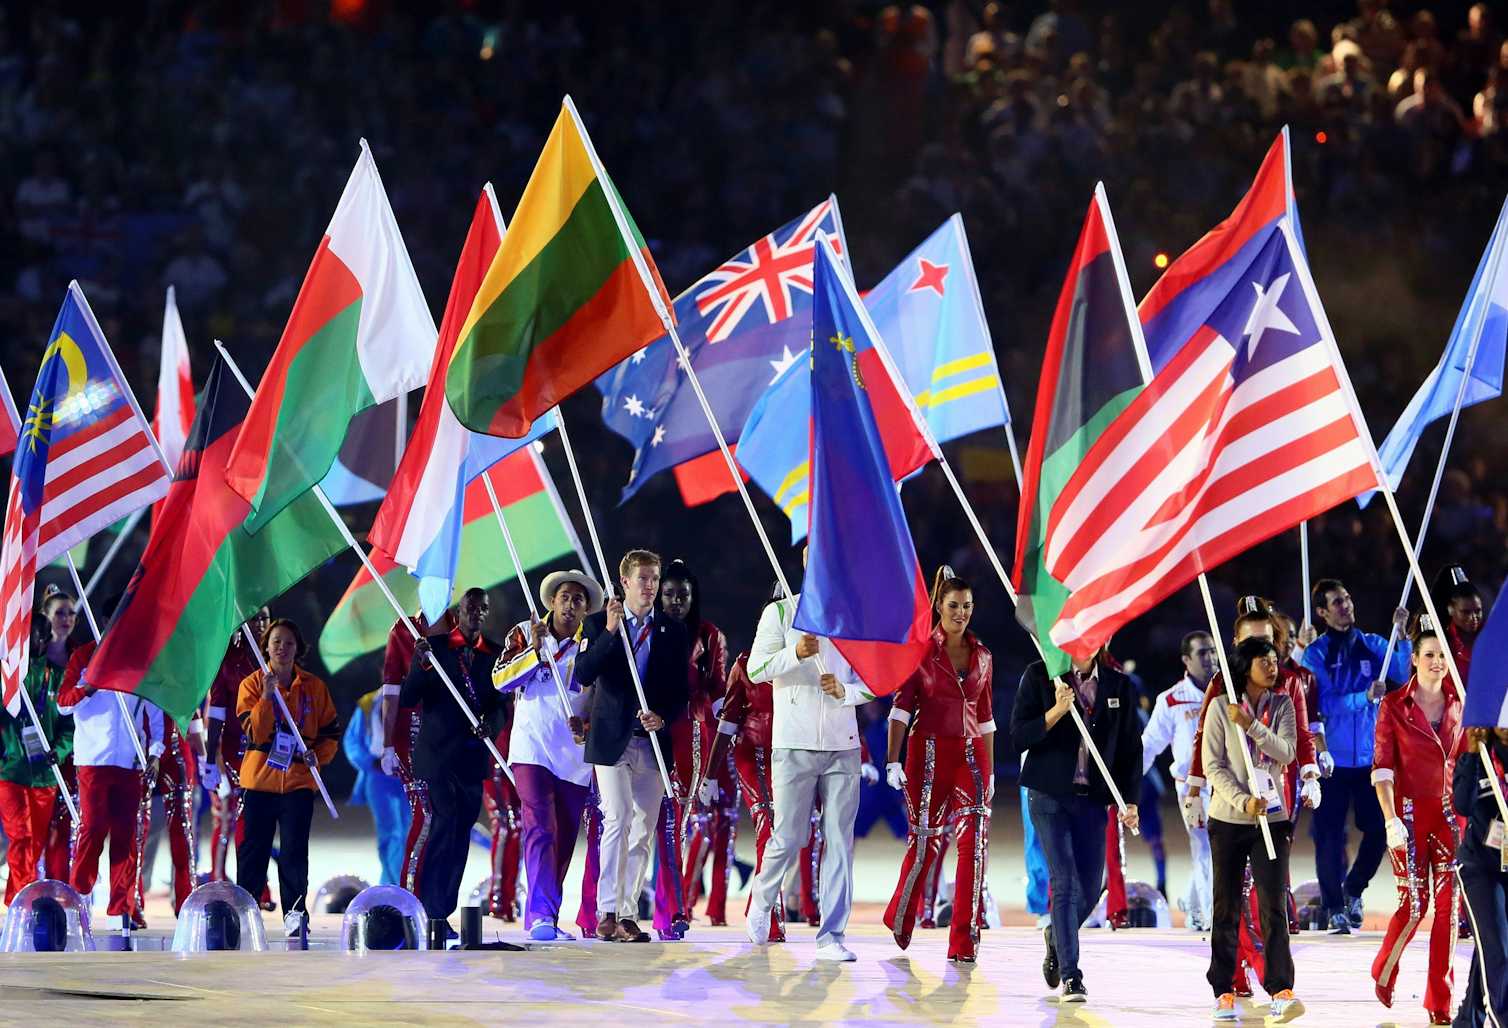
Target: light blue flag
x: 1483, y: 324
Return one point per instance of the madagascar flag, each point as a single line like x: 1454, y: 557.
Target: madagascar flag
x: 203, y: 572
x: 1089, y: 375
x: 564, y: 298
x: 360, y: 622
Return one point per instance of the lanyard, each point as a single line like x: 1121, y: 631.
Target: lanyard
x: 643, y: 633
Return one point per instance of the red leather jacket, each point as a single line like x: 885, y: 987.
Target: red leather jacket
x: 1409, y: 753
x: 749, y: 705
x: 1460, y: 649
x: 936, y: 703
x: 1290, y: 684
x: 1306, y: 701
x: 709, y: 672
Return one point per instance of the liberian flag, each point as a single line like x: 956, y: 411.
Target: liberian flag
x: 564, y: 299
x: 541, y: 530
x: 1248, y: 428
x: 360, y: 334
x: 10, y: 427
x: 419, y: 522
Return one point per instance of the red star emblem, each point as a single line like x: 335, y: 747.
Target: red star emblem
x: 929, y: 276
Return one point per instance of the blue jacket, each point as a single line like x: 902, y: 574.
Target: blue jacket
x: 355, y: 746
x: 1345, y: 664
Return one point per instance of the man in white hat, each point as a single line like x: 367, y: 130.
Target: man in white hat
x: 545, y: 748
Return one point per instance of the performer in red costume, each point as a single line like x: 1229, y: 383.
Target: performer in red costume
x: 1463, y: 605
x: 226, y: 740
x: 1418, y: 734
x: 177, y: 779
x: 949, y: 771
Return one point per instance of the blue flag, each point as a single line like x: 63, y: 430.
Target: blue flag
x: 863, y: 587
x: 1486, y: 703
x: 1483, y: 324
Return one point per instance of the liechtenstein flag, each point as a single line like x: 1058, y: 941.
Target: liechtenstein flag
x: 863, y: 588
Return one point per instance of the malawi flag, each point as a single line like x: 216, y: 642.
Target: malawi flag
x: 360, y: 622
x: 565, y: 297
x: 360, y: 334
x: 1089, y: 375
x: 203, y: 572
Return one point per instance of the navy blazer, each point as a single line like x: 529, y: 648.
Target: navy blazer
x: 1052, y: 754
x: 614, y: 714
x: 1471, y: 795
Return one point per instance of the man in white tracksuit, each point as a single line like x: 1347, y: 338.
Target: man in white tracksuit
x: 815, y: 755
x: 1174, y: 720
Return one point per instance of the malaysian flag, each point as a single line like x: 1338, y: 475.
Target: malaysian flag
x: 85, y: 459
x: 1247, y: 428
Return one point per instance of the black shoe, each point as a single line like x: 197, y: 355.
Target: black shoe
x: 1050, y: 962
x: 1074, y: 991
x: 1353, y: 911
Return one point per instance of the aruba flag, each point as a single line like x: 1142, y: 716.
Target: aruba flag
x: 863, y: 587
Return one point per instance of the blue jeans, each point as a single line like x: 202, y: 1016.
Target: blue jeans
x: 1036, y: 863
x: 1347, y: 788
x: 1072, y: 832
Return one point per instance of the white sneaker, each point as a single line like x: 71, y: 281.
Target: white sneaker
x: 837, y: 953
x: 758, y: 928
x: 293, y: 920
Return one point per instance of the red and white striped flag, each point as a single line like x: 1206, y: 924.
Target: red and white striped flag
x: 85, y: 459
x: 175, y: 386
x: 10, y: 425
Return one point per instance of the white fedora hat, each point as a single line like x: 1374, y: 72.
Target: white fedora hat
x: 556, y: 579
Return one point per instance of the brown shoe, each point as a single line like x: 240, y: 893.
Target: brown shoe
x: 607, y: 928
x: 629, y: 931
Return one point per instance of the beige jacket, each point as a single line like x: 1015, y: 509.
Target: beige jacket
x: 1273, y: 737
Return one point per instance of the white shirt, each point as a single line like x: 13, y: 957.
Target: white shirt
x: 540, y: 734
x: 806, y: 718
x: 1174, y: 720
x: 101, y: 737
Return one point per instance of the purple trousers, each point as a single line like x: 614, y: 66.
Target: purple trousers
x: 551, y: 814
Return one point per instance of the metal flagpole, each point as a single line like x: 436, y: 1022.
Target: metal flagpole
x: 366, y: 562
x: 120, y: 697
x: 297, y: 733
x: 1307, y: 604
x: 115, y: 545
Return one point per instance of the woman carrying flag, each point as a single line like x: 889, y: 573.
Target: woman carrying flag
x: 949, y: 771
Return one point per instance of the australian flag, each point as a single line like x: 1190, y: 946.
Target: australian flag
x: 743, y: 323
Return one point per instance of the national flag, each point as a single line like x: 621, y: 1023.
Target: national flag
x: 10, y: 425
x: 1089, y: 376
x: 864, y: 587
x: 203, y: 573
x: 85, y: 459
x: 1486, y: 703
x: 1482, y: 324
x: 1247, y: 429
x: 564, y: 299
x: 742, y: 324
x: 368, y: 459
x: 928, y: 312
x: 541, y: 530
x: 175, y: 385
x: 360, y: 333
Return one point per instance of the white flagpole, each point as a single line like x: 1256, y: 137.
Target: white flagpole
x: 120, y: 697
x: 1304, y: 570
x: 298, y: 735
x: 115, y: 545
x: 366, y: 562
x: 523, y: 583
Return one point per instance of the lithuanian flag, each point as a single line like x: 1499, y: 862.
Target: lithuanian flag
x: 564, y: 299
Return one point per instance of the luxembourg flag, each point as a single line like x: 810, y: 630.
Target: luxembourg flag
x: 419, y: 524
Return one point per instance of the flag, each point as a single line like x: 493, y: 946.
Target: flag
x: 928, y: 313
x: 564, y: 298
x: 360, y: 622
x: 1089, y: 375
x: 203, y: 572
x: 360, y: 333
x: 175, y: 386
x: 863, y: 587
x: 368, y: 459
x: 742, y: 324
x: 10, y: 425
x: 1486, y: 703
x: 1248, y: 429
x: 86, y: 458
x: 1481, y: 324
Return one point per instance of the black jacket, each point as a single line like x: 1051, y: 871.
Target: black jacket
x: 447, y: 745
x: 1051, y: 756
x: 615, y: 706
x: 1471, y: 795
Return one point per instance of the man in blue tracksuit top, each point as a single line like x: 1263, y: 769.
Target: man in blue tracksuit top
x: 1347, y: 663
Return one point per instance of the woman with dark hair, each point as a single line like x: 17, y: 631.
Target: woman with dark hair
x: 1261, y: 721
x: 949, y: 773
x: 1418, y: 734
x: 276, y: 771
x: 1461, y: 601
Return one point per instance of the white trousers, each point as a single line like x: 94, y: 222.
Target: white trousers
x: 631, y: 791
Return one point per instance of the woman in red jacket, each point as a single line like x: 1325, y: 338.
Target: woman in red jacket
x: 949, y: 771
x: 1418, y: 732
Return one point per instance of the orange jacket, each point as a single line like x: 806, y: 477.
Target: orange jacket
x: 314, y: 712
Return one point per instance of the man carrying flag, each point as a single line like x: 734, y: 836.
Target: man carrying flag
x: 825, y: 649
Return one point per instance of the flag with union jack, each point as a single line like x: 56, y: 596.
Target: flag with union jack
x: 742, y: 324
x: 85, y: 460
x: 1247, y: 428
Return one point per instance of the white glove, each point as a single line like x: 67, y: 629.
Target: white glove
x: 389, y: 761
x: 895, y: 775
x: 1326, y: 763
x: 707, y: 792
x: 1398, y: 836
x: 209, y: 777
x: 869, y: 773
x: 1191, y: 805
x: 1309, y: 793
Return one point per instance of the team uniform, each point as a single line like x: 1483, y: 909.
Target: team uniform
x: 28, y: 790
x: 1175, y: 722
x: 747, y: 718
x: 225, y: 802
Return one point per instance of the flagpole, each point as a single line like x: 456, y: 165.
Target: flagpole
x: 366, y: 562
x: 120, y: 697
x: 125, y: 386
x: 523, y: 583
x: 1005, y: 405
x: 1304, y: 569
x: 115, y: 544
x: 607, y: 582
x: 57, y: 772
x: 559, y: 507
x: 297, y: 733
